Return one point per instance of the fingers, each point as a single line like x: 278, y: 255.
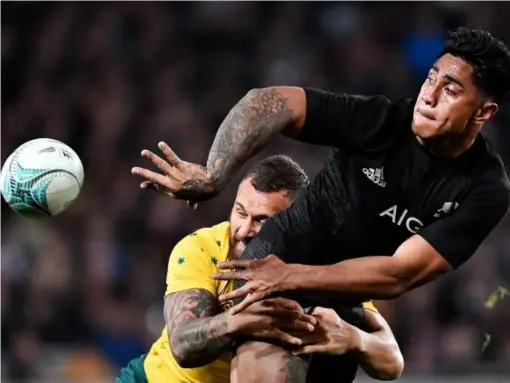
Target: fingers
x: 228, y: 275
x: 157, y: 161
x: 155, y: 178
x: 240, y: 292
x: 328, y: 315
x: 236, y: 264
x: 172, y: 158
x: 301, y: 324
x: 148, y: 185
x: 310, y: 349
x: 305, y: 318
x: 249, y: 300
x: 287, y: 338
x: 287, y: 304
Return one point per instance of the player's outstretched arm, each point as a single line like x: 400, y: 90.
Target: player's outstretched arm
x: 249, y: 126
x: 438, y: 248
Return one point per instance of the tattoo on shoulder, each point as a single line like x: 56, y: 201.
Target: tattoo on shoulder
x: 197, y: 335
x: 248, y: 127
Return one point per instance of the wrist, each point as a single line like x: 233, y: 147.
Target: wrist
x: 357, y: 345
x: 294, y: 279
x: 234, y: 324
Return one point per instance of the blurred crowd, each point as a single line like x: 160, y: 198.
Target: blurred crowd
x: 82, y: 293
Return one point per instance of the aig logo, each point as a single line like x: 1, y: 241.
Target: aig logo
x: 399, y: 218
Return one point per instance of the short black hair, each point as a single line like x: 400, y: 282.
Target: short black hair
x: 277, y: 173
x: 489, y: 57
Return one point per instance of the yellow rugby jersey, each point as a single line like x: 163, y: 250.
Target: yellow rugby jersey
x: 191, y: 266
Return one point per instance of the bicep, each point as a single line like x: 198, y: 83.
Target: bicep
x: 183, y: 306
x: 416, y: 262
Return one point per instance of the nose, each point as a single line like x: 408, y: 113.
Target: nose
x: 246, y: 230
x: 430, y: 95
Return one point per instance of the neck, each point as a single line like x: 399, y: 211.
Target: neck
x: 450, y: 146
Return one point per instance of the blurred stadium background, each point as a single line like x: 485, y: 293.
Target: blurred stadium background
x: 81, y: 294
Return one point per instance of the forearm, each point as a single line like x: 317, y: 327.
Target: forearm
x: 200, y: 341
x: 379, y: 355
x: 361, y: 278
x: 250, y: 125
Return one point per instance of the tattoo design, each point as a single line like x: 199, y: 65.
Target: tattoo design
x: 196, y: 336
x: 248, y: 127
x: 283, y: 368
x: 295, y: 368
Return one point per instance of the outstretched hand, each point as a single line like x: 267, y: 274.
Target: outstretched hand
x: 264, y: 277
x: 332, y: 335
x: 178, y: 179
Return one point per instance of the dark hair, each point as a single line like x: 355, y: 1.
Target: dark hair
x: 488, y: 56
x: 277, y: 173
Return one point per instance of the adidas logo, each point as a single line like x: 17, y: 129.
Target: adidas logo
x: 375, y: 175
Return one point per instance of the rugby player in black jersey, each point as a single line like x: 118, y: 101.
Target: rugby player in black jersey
x: 408, y: 193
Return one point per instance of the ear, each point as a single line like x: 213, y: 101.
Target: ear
x: 487, y: 111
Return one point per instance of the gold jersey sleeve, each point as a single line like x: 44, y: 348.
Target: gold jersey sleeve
x: 191, y: 265
x: 369, y: 305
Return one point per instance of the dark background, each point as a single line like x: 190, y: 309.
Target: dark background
x: 81, y: 293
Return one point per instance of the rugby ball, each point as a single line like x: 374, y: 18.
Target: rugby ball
x: 41, y: 178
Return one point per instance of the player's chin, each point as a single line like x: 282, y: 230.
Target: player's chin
x: 237, y: 249
x: 426, y: 128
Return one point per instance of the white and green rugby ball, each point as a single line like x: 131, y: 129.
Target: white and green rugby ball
x: 41, y: 178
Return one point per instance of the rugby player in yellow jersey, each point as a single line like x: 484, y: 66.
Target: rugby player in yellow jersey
x: 195, y: 345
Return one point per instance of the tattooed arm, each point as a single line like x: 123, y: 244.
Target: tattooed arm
x: 250, y: 125
x: 197, y: 336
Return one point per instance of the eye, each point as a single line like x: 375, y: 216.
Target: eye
x: 450, y: 91
x: 430, y: 79
x: 241, y: 213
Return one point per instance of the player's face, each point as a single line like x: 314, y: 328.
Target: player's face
x: 251, y: 208
x: 449, y: 101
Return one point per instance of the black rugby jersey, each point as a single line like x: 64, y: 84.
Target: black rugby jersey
x: 380, y: 186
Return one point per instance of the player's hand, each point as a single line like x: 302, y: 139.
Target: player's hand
x: 332, y: 335
x: 274, y: 318
x: 178, y: 179
x: 264, y: 277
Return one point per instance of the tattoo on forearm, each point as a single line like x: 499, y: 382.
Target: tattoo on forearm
x: 249, y: 126
x: 197, y: 336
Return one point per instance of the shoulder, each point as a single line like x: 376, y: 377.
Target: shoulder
x: 210, y: 237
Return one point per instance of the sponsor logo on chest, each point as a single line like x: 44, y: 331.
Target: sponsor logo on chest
x: 401, y: 217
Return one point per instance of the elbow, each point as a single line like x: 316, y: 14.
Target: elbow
x: 393, y: 290
x: 184, y: 357
x: 394, y: 367
x: 394, y: 370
